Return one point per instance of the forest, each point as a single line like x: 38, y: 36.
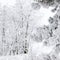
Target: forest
x: 31, y: 28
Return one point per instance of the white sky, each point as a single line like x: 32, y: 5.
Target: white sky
x: 41, y: 16
x: 7, y: 2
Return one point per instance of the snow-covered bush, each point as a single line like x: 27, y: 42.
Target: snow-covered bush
x: 35, y: 6
x: 57, y: 48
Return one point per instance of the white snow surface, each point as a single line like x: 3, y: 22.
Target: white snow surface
x: 16, y: 57
x: 39, y: 48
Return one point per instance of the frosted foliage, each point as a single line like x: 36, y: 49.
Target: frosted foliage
x: 48, y: 2
x: 41, y: 34
x: 14, y: 31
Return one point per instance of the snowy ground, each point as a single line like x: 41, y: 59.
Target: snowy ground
x: 16, y: 57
